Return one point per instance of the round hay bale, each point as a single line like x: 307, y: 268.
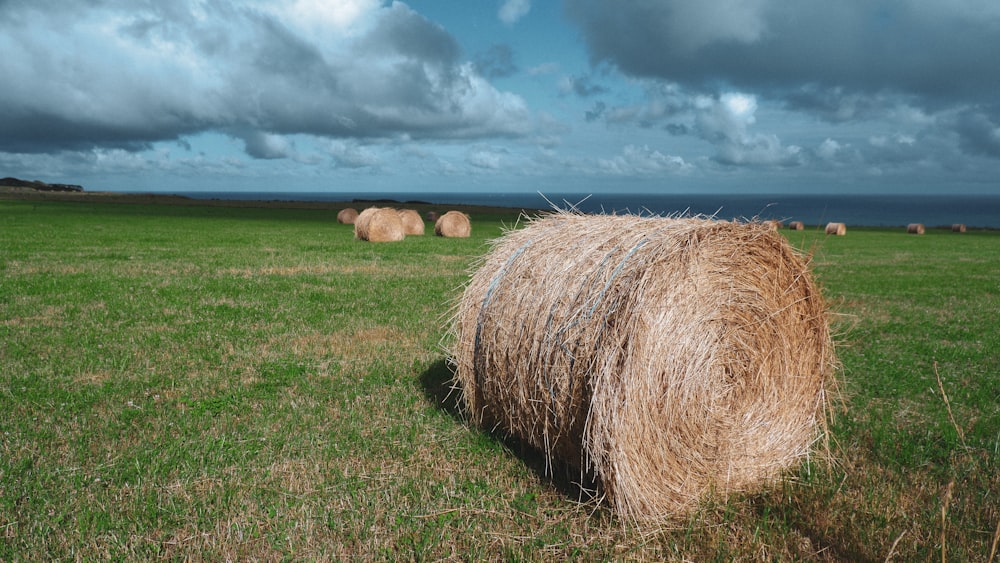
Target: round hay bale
x: 775, y: 224
x: 838, y: 229
x: 347, y: 216
x: 958, y: 228
x: 432, y: 216
x: 667, y: 358
x: 915, y: 228
x: 379, y: 224
x: 412, y: 223
x: 454, y: 224
x: 797, y: 226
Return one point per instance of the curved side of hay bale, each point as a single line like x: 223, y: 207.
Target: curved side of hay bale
x: 915, y: 228
x: 797, y: 226
x: 412, y: 223
x: 454, y: 224
x: 347, y: 216
x: 958, y: 228
x: 838, y: 229
x: 379, y: 224
x: 666, y: 357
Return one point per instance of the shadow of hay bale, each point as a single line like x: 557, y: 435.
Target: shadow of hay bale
x: 438, y: 386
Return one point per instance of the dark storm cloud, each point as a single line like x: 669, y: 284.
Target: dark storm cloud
x: 938, y: 51
x: 124, y: 75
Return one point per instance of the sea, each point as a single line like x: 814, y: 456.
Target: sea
x: 975, y: 211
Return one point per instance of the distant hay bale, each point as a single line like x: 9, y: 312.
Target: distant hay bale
x: 347, y: 216
x: 775, y: 224
x: 379, y: 224
x: 454, y: 224
x: 431, y: 216
x: 667, y: 358
x: 958, y: 228
x: 838, y: 229
x: 797, y: 226
x: 915, y: 228
x: 412, y: 223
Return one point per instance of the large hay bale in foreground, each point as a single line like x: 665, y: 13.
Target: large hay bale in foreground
x: 667, y: 358
x: 379, y: 224
x: 838, y: 229
x: 958, y: 228
x: 412, y: 223
x: 453, y: 224
x: 915, y: 228
x: 347, y: 216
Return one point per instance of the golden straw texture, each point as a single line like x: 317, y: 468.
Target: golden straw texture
x: 665, y: 357
x: 453, y: 224
x: 379, y: 224
x: 838, y: 229
x: 347, y: 216
x: 413, y: 224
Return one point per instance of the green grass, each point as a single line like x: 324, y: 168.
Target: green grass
x: 215, y: 383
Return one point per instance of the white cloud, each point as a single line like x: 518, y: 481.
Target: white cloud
x: 643, y: 161
x: 485, y: 158
x: 513, y: 10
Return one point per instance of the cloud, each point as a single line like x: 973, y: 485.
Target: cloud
x: 513, y: 10
x: 725, y: 122
x: 582, y: 86
x: 496, y: 62
x: 489, y: 159
x: 266, y: 146
x: 643, y: 161
x: 978, y: 132
x: 349, y: 155
x: 123, y: 75
x: 857, y: 46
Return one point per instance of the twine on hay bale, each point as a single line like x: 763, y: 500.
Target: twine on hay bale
x: 838, y: 229
x: 666, y: 358
x: 347, y: 216
x: 453, y: 224
x: 958, y: 228
x: 379, y: 224
x: 797, y: 226
x: 412, y: 223
x: 915, y: 228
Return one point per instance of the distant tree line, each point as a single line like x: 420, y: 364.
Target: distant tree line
x: 39, y: 185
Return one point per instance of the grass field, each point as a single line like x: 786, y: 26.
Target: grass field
x: 212, y: 383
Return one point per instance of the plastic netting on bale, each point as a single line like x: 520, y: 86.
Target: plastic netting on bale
x: 666, y: 357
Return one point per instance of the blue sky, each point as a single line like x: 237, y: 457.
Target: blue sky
x: 579, y: 96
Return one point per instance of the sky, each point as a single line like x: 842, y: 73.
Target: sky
x: 570, y: 96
